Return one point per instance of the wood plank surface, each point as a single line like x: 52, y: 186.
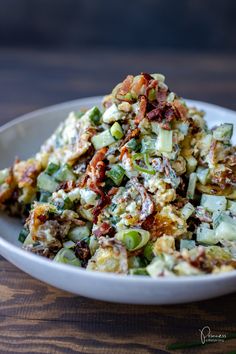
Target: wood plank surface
x: 37, y: 318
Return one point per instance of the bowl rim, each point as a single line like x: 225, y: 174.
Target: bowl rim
x: 42, y: 261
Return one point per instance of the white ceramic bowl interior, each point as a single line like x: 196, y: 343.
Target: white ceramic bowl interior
x: 23, y: 138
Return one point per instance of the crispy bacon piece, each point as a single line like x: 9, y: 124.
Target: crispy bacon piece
x: 104, y: 229
x: 67, y: 186
x: 180, y: 109
x: 130, y: 135
x: 102, y: 203
x: 142, y: 109
x: 125, y: 86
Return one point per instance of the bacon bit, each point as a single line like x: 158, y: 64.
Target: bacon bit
x: 130, y: 135
x: 138, y: 84
x: 181, y: 109
x: 67, y: 186
x: 42, y: 218
x: 113, y: 191
x: 104, y: 229
x: 161, y: 95
x: 125, y: 86
x: 142, y: 109
x: 124, y: 150
x: 82, y: 252
x: 102, y: 203
x: 147, y: 76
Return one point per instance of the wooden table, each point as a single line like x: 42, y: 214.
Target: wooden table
x: 37, y: 318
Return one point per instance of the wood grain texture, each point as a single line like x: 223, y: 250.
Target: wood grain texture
x: 37, y: 318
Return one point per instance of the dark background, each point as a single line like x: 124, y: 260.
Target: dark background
x: 155, y: 24
x: 58, y: 50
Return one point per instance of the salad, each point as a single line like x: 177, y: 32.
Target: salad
x: 140, y: 186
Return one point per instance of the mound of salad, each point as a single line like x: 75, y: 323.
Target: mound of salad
x: 140, y: 186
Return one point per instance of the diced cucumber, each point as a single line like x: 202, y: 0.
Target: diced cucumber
x: 191, y: 164
x: 74, y: 195
x: 219, y: 216
x: 65, y: 174
x: 226, y: 231
x: 102, y: 139
x: 117, y: 131
x: 187, y: 244
x: 155, y: 127
x: 88, y: 196
x: 223, y: 132
x: 187, y: 210
x: 165, y: 140
x: 79, y: 233
x: 86, y: 214
x: 206, y: 236
x: 44, y: 196
x: 183, y: 127
x: 4, y: 174
x: 149, y: 145
x: 116, y: 173
x: 231, y: 206
x: 46, y: 183
x: 52, y: 168
x: 202, y: 174
x: 69, y: 244
x: 213, y: 202
x: 111, y: 114
x: 191, y: 185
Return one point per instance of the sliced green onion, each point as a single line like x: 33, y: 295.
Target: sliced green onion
x: 22, y: 235
x: 117, y: 131
x: 52, y: 168
x: 133, y: 239
x: 67, y: 256
x: 95, y: 115
x: 138, y: 271
x: 133, y: 145
x: 148, y: 251
x: 145, y: 157
x: 149, y: 145
x: 116, y: 173
x: 152, y: 94
x: 65, y: 174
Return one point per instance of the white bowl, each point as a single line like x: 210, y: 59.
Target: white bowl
x: 23, y: 137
